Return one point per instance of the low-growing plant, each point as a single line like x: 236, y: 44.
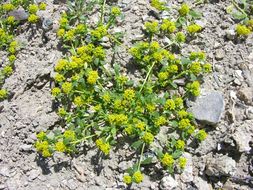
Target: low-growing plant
x: 242, y: 12
x: 7, y: 34
x: 101, y: 105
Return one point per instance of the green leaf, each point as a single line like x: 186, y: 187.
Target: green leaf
x: 193, y: 77
x: 195, y: 14
x: 147, y: 161
x: 137, y: 144
x: 159, y: 153
x: 176, y: 154
x: 174, y: 85
x: 185, y: 61
x: 239, y: 15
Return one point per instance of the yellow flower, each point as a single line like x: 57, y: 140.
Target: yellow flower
x: 62, y: 112
x: 63, y: 22
x: 3, y: 94
x: 194, y: 28
x: 59, y: 78
x: 56, y: 91
x: 152, y: 27
x: 78, y: 101
x: 115, y: 11
x: 168, y: 26
x: 129, y: 94
x: 12, y: 58
x: 148, y: 138
x: 170, y: 104
x: 70, y: 35
x: 127, y: 179
x: 140, y: 125
x: 201, y: 135
x: 60, y: 33
x: 42, y: 6
x: 61, y: 65
x: 182, y: 162
x: 184, y: 9
x: 66, y: 87
x: 33, y: 18
x: 46, y: 153
x: 99, y: 32
x: 180, y: 144
x: 33, y: 8
x: 195, y: 68
x: 92, y: 77
x: 60, y: 146
x: 11, y: 20
x: 158, y: 5
x: 184, y: 123
x: 162, y: 76
x: 7, y: 70
x: 242, y: 30
x: 69, y: 134
x: 8, y: 7
x: 137, y: 177
x: 106, y: 97
x: 167, y: 160
x: 160, y: 121
x: 41, y: 135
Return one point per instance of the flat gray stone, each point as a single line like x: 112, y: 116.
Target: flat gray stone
x: 19, y: 14
x: 208, y: 107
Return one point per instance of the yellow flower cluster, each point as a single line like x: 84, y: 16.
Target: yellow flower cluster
x: 69, y: 135
x: 43, y: 147
x: 99, y: 32
x: 152, y: 27
x: 158, y: 5
x: 160, y: 121
x: 193, y: 88
x: 60, y: 146
x: 184, y: 9
x: 148, y: 137
x: 137, y: 177
x: 92, y: 77
x: 66, y: 87
x: 168, y: 26
x: 117, y: 119
x: 182, y: 162
x: 115, y: 11
x: 3, y: 94
x: 167, y: 160
x: 170, y: 104
x: 129, y: 94
x: 104, y: 147
x: 180, y: 144
x: 242, y: 30
x: 194, y: 28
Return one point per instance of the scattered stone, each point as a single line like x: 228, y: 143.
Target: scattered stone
x: 19, y: 14
x: 25, y: 147
x: 47, y: 24
x: 202, y: 184
x: 208, y: 107
x: 33, y: 174
x: 187, y: 175
x: 246, y: 95
x: 4, y: 171
x: 219, y: 54
x: 242, y: 137
x: 168, y: 183
x: 220, y: 166
x: 230, y: 34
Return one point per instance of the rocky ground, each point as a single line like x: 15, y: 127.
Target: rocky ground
x: 225, y: 108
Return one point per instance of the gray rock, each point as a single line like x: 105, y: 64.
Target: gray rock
x: 208, y: 107
x: 33, y: 174
x: 202, y: 184
x: 4, y: 171
x: 246, y: 95
x: 242, y: 137
x: 47, y: 24
x: 219, y: 54
x: 230, y: 34
x: 25, y: 147
x: 19, y: 14
x: 168, y: 183
x: 220, y: 166
x: 187, y: 175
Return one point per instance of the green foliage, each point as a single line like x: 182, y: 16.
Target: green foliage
x: 242, y: 12
x: 98, y: 105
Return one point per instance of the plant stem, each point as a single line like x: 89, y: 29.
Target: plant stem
x: 179, y: 75
x: 239, y: 8
x: 83, y: 139
x: 142, y: 150
x: 147, y: 76
x: 102, y: 12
